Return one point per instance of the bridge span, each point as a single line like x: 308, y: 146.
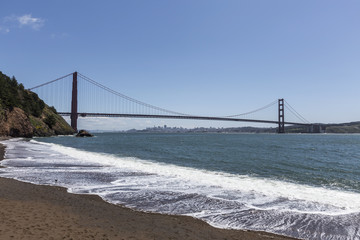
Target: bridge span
x: 122, y: 103
x: 180, y: 117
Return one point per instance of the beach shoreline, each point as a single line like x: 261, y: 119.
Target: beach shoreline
x: 30, y: 211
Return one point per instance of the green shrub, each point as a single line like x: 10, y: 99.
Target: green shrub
x: 50, y: 121
x: 13, y: 95
x: 53, y: 109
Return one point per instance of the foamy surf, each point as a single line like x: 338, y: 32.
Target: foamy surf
x: 222, y: 199
x: 343, y: 202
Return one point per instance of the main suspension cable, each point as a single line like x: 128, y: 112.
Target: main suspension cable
x: 127, y: 97
x: 51, y: 81
x: 254, y: 111
x: 293, y: 111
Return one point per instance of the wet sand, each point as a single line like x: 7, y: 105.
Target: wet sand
x: 29, y: 211
x: 2, y: 151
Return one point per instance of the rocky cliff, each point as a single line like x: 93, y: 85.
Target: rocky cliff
x: 24, y: 114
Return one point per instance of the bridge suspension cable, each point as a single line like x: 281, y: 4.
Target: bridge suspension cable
x: 158, y: 108
x: 254, y: 111
x: 55, y: 80
x: 127, y: 97
x: 295, y: 113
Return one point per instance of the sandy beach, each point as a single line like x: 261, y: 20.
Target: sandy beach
x: 29, y: 211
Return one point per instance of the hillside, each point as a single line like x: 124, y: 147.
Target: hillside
x: 24, y: 114
x: 352, y: 127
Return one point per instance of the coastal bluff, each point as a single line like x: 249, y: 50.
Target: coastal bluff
x: 24, y: 114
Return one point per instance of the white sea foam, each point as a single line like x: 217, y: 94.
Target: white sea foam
x: 221, y: 199
x: 258, y: 191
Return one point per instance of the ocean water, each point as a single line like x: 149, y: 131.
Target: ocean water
x: 305, y: 186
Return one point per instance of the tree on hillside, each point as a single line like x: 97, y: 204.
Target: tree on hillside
x: 13, y: 95
x: 50, y: 121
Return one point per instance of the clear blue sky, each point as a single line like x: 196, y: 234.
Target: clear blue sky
x: 207, y: 57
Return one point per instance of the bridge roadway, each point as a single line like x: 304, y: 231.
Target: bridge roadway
x: 178, y: 117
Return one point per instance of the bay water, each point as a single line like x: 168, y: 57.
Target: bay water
x: 305, y: 186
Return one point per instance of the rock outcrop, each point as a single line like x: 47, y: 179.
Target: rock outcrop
x: 84, y: 133
x: 17, y: 123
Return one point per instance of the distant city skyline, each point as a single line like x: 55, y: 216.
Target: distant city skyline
x: 204, y: 57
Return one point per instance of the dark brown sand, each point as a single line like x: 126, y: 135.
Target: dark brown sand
x: 30, y: 211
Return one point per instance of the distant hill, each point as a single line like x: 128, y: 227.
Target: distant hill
x: 24, y: 114
x: 353, y: 127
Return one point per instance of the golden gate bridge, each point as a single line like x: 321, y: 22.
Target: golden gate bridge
x: 76, y: 95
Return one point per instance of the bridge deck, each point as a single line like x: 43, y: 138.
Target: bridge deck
x: 178, y: 117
